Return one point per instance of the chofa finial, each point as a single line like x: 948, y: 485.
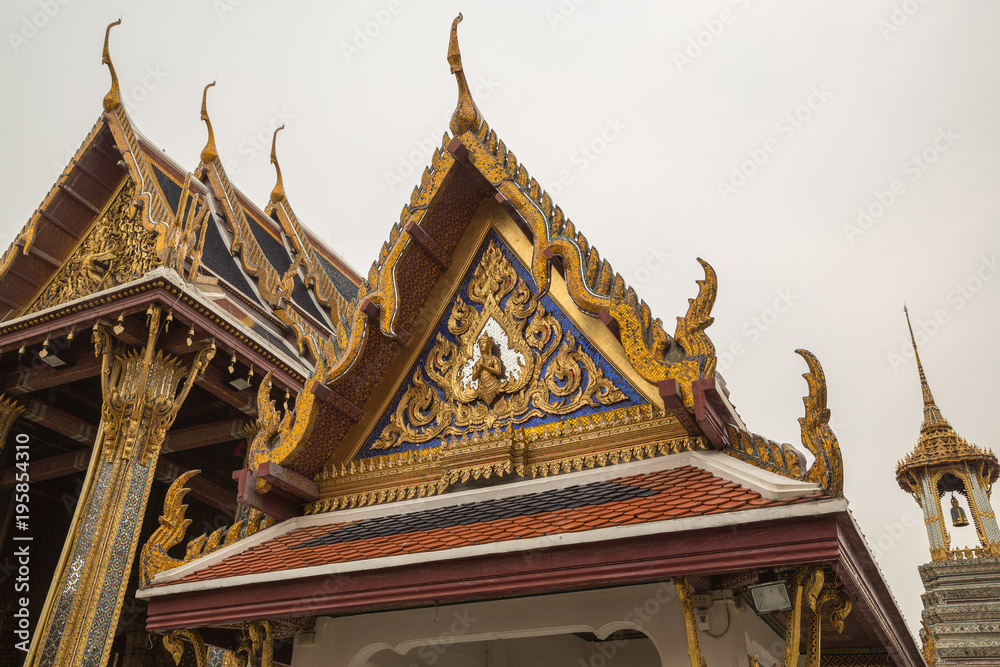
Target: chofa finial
x: 278, y: 193
x: 114, y: 98
x: 209, y: 152
x: 466, y: 116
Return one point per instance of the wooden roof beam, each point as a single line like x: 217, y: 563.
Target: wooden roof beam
x: 97, y: 179
x: 25, y: 278
x: 204, y: 435
x: 45, y: 214
x: 202, y: 489
x: 79, y: 198
x: 45, y: 257
x: 60, y: 421
x: 52, y: 467
x: 26, y: 380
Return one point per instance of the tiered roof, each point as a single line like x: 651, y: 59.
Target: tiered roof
x: 939, y: 444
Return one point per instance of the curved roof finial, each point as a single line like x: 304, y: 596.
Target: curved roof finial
x: 208, y: 153
x: 114, y: 98
x: 931, y: 411
x: 466, y: 116
x: 278, y: 193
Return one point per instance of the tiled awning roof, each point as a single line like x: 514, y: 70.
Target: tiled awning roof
x: 661, y: 495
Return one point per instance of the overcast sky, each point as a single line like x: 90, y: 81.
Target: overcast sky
x: 830, y: 160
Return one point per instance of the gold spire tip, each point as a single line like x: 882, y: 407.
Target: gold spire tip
x: 466, y: 116
x: 209, y: 152
x: 278, y: 193
x: 113, y: 99
x: 931, y: 411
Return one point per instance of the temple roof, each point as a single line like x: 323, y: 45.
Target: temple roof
x: 652, y: 493
x: 939, y: 445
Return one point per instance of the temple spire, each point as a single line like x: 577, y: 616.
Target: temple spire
x: 466, y: 116
x: 113, y: 99
x: 932, y: 413
x: 209, y: 152
x: 278, y: 193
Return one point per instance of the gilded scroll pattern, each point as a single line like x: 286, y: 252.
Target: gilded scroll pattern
x: 115, y: 250
x: 503, y: 358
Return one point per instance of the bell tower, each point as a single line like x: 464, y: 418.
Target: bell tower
x: 941, y: 463
x: 960, y: 603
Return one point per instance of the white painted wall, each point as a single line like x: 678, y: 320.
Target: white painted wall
x: 535, y: 630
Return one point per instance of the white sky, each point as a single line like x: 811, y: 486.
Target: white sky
x: 550, y: 83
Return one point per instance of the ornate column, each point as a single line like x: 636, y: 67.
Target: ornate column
x: 140, y: 402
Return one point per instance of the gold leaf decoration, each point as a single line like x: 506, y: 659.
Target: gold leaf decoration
x: 510, y: 361
x: 115, y: 250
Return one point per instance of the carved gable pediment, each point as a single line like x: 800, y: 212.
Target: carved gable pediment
x: 114, y: 250
x: 502, y: 357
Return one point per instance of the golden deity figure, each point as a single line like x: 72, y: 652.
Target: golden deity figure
x: 487, y: 371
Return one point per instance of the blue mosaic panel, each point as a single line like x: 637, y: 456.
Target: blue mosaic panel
x: 120, y: 564
x: 85, y: 537
x: 484, y: 511
x: 631, y: 396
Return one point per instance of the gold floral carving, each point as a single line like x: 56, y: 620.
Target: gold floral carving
x: 588, y: 441
x: 257, y: 640
x: 115, y: 250
x: 839, y: 611
x: 276, y: 435
x: 930, y: 645
x: 155, y: 558
x: 141, y: 398
x: 466, y: 384
x: 172, y: 642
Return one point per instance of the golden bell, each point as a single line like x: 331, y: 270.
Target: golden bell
x: 958, y: 518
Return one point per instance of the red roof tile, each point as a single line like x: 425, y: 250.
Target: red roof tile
x: 662, y: 495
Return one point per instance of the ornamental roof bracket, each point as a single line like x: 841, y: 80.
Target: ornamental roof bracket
x: 113, y: 99
x: 467, y: 115
x: 828, y: 468
x: 278, y: 193
x: 209, y: 153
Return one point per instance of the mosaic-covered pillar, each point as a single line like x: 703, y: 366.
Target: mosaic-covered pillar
x: 977, y: 493
x: 930, y: 502
x: 140, y: 402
